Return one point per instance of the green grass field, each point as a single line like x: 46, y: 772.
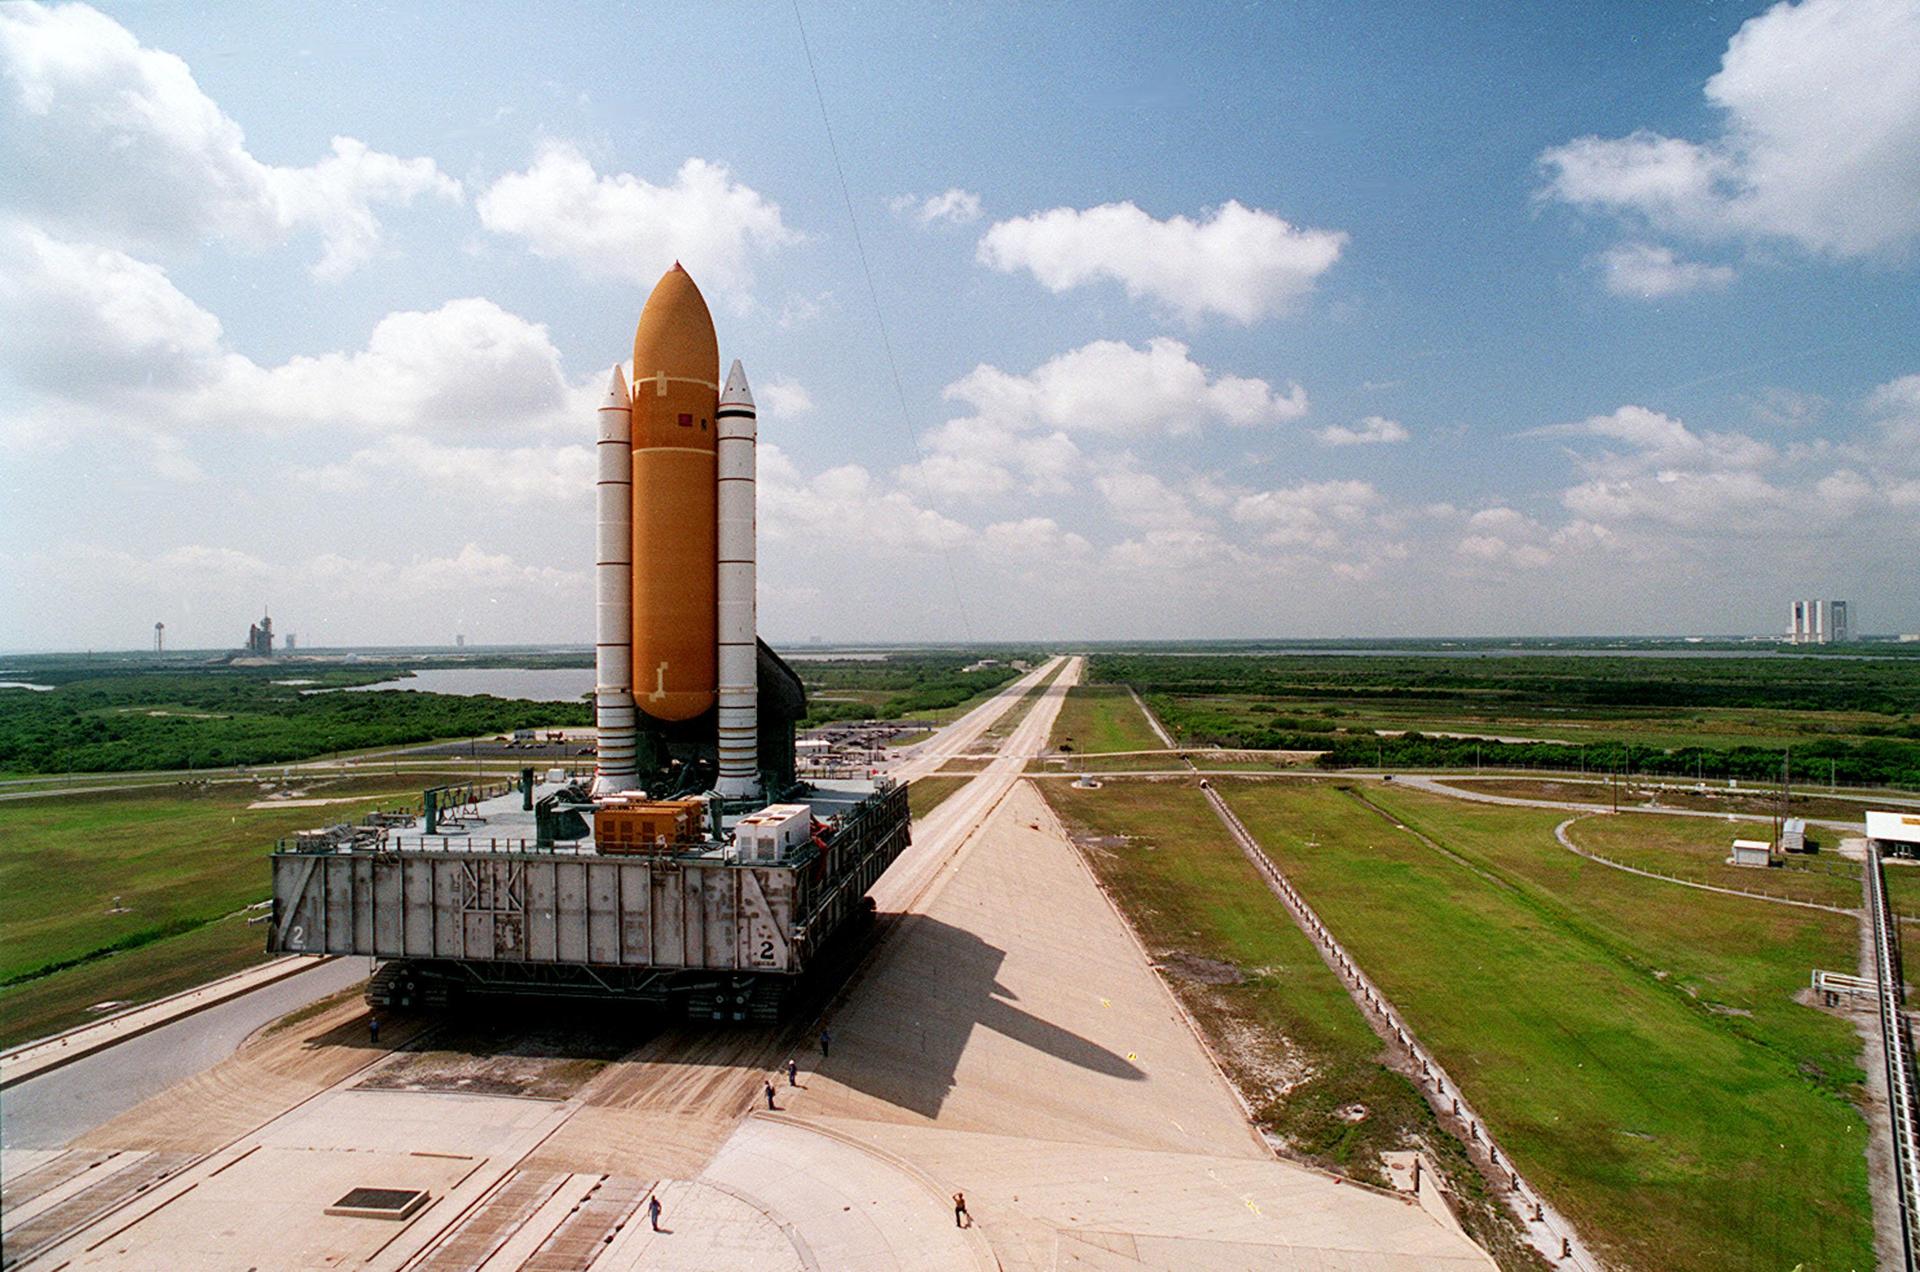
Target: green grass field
x: 1097, y: 718
x: 1648, y: 726
x: 928, y: 793
x: 1903, y: 889
x: 1291, y: 1038
x: 1696, y: 848
x: 1151, y: 762
x: 1671, y: 794
x: 61, y: 1001
x: 175, y: 857
x: 1635, y: 1045
x: 1729, y: 716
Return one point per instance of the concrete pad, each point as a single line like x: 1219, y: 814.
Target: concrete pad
x: 89, y: 1170
x: 1011, y: 1042
x: 268, y: 1212
x: 274, y: 1071
x: 357, y: 1121
x: 702, y: 1227
x: 643, y: 1143
x: 262, y: 1204
x: 1019, y: 1004
x: 1029, y: 1195
x: 855, y: 1206
x: 30, y: 1171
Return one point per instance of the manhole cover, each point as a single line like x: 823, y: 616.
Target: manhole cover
x: 379, y: 1203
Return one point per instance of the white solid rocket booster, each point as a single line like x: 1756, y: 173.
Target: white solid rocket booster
x: 613, y: 594
x: 735, y: 427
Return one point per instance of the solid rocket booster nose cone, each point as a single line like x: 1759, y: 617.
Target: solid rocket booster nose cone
x: 617, y: 394
x: 736, y: 392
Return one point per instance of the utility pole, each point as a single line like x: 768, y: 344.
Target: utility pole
x: 1786, y: 792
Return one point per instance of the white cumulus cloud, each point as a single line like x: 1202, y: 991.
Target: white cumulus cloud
x: 1112, y: 387
x: 785, y: 397
x: 104, y: 138
x: 1034, y: 540
x: 957, y: 206
x: 1819, y: 143
x: 1646, y: 271
x: 622, y: 226
x: 1241, y: 263
x: 1316, y: 514
x: 104, y: 336
x: 1375, y: 430
x: 1022, y: 427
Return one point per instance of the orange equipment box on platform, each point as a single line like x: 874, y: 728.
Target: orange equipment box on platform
x: 659, y: 825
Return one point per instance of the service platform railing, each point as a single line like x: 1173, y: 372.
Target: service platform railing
x: 1903, y: 1101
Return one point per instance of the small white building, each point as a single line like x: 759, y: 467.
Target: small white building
x: 1793, y: 835
x: 1897, y: 834
x: 1751, y: 852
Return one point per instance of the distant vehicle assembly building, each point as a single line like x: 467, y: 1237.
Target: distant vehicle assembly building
x: 1819, y: 623
x: 694, y: 870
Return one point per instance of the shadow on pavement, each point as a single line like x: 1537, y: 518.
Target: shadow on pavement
x: 912, y: 1014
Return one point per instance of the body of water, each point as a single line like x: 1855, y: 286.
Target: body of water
x: 21, y: 684
x: 537, y: 684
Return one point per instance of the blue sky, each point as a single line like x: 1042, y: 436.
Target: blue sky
x: 1249, y: 321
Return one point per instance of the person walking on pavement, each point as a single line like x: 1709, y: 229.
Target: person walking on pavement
x: 769, y: 1085
x: 793, y: 1072
x: 961, y: 1219
x: 826, y: 1042
x: 373, y: 1030
x: 653, y: 1211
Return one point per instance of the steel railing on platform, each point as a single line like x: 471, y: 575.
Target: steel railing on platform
x: 1903, y: 1101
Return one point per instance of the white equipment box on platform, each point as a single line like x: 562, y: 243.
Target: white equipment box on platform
x: 773, y: 832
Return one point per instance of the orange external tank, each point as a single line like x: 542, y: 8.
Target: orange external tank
x: 676, y: 392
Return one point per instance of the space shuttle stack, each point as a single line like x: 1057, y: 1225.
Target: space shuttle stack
x: 736, y: 426
x: 613, y: 594
x: 675, y: 567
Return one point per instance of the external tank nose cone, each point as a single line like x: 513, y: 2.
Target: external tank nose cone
x: 735, y: 392
x: 675, y: 337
